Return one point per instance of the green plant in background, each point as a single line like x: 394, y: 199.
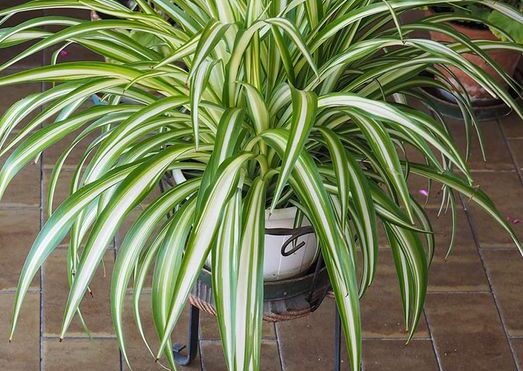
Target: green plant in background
x: 503, y: 26
x: 262, y: 104
x: 511, y: 28
x: 500, y: 21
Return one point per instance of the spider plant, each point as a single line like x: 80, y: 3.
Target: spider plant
x: 262, y: 104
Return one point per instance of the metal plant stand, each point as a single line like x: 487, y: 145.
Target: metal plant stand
x: 337, y: 340
x: 284, y: 300
x: 194, y: 330
x: 194, y: 326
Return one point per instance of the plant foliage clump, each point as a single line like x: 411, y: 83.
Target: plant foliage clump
x: 261, y: 104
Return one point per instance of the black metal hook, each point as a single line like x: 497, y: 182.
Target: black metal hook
x: 293, y: 233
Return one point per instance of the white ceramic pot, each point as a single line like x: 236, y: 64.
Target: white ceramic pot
x: 276, y: 266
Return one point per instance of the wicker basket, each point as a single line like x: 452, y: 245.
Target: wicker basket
x: 283, y: 300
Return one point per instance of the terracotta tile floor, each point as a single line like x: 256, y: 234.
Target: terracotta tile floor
x: 473, y: 316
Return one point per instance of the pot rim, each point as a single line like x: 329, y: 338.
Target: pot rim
x: 281, y: 213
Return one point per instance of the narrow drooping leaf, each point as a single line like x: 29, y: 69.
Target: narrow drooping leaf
x: 57, y: 227
x: 304, y: 105
x: 225, y: 266
x: 132, y: 190
x: 203, y: 233
x: 132, y: 245
x: 339, y: 261
x: 249, y: 290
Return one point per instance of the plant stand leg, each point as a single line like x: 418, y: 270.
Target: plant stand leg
x: 337, y: 341
x: 194, y: 324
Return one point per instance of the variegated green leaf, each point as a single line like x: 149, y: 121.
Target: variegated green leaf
x: 304, y: 105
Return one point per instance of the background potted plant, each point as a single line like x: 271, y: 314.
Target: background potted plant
x: 479, y: 22
x: 261, y: 106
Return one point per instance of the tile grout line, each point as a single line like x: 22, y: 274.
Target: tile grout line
x: 120, y: 358
x: 200, y: 344
x: 432, y: 342
x: 41, y: 275
x: 200, y: 352
x: 520, y: 175
x: 13, y: 291
x: 16, y: 207
x: 503, y: 323
x: 457, y: 292
x: 491, y: 171
x: 494, y: 298
x: 397, y: 338
x: 498, y: 247
x: 511, y: 152
x: 278, y: 346
x: 73, y: 337
x: 41, y: 206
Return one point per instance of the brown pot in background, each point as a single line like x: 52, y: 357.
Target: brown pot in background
x: 506, y: 59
